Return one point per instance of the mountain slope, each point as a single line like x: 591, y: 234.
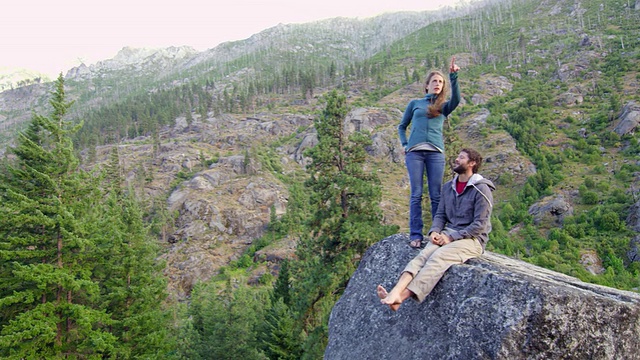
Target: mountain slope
x: 220, y: 134
x: 135, y: 72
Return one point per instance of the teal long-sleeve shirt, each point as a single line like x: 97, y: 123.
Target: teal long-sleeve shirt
x: 423, y: 128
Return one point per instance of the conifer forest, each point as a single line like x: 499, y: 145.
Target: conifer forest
x: 93, y: 251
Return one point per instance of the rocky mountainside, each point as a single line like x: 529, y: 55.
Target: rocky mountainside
x: 14, y: 78
x: 212, y: 174
x: 141, y: 61
x: 492, y: 307
x: 133, y: 71
x: 221, y: 208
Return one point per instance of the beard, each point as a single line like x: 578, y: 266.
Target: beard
x: 461, y: 168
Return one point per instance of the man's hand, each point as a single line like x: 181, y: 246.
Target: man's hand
x: 453, y: 68
x: 440, y: 239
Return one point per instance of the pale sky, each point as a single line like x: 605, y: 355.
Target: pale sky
x: 52, y: 36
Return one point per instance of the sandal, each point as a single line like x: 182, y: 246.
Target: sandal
x: 417, y: 243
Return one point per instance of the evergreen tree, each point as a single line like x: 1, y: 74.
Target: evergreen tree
x: 282, y: 286
x: 415, y: 77
x: 132, y: 289
x: 281, y: 337
x: 47, y: 297
x: 293, y: 221
x: 346, y: 221
x: 332, y: 70
x: 223, y: 321
x: 112, y: 173
x: 61, y: 261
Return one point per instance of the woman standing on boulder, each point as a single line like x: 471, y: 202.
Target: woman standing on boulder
x: 424, y: 150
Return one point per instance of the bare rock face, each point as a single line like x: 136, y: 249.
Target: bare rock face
x: 569, y: 99
x: 478, y: 99
x: 551, y: 209
x: 367, y: 119
x: 493, y: 307
x: 633, y: 220
x: 310, y: 140
x: 501, y: 157
x: 385, y: 145
x: 494, y: 85
x: 591, y: 262
x: 629, y: 119
x: 136, y: 59
x: 634, y: 249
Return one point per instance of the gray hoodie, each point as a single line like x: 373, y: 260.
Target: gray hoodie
x: 467, y: 215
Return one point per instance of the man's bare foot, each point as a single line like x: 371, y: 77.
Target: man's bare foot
x: 383, y: 295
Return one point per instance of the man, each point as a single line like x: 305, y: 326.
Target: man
x: 459, y: 232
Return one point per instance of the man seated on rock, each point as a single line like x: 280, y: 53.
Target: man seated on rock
x: 459, y: 232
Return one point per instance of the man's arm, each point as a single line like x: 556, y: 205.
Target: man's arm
x: 481, y: 215
x: 440, y: 219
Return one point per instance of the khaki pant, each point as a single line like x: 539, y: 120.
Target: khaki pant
x: 429, y: 266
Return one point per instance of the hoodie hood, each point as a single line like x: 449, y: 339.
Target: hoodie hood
x: 476, y: 180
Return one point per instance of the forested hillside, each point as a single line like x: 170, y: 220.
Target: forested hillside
x: 264, y: 168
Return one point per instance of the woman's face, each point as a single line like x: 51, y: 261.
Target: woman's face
x: 435, y: 84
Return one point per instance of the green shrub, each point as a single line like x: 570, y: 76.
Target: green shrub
x: 589, y: 183
x: 610, y: 221
x: 603, y: 186
x: 244, y: 262
x: 589, y: 198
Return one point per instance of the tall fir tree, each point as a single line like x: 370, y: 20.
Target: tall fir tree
x: 222, y: 322
x: 347, y: 219
x: 47, y: 292
x: 132, y: 289
x: 52, y: 303
x: 281, y: 338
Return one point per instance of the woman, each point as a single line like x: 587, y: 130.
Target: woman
x: 424, y: 150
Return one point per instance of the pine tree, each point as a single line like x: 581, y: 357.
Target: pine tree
x: 282, y: 286
x: 77, y: 279
x: 132, y: 289
x: 223, y: 321
x: 46, y: 294
x: 346, y: 221
x: 112, y: 173
x: 281, y: 338
x: 332, y: 71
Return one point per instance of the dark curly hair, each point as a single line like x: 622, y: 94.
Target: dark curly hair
x: 474, y: 156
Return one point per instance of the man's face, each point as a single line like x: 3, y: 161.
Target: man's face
x: 462, y: 163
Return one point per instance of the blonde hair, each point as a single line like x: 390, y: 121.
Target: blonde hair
x: 435, y: 109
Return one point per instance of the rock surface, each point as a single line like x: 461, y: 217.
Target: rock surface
x: 629, y: 119
x: 493, y: 307
x: 633, y: 219
x: 551, y: 209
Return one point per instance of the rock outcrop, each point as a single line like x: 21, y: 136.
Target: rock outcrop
x: 629, y: 119
x: 493, y: 307
x: 502, y: 159
x: 633, y: 219
x: 634, y: 249
x: 551, y: 210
